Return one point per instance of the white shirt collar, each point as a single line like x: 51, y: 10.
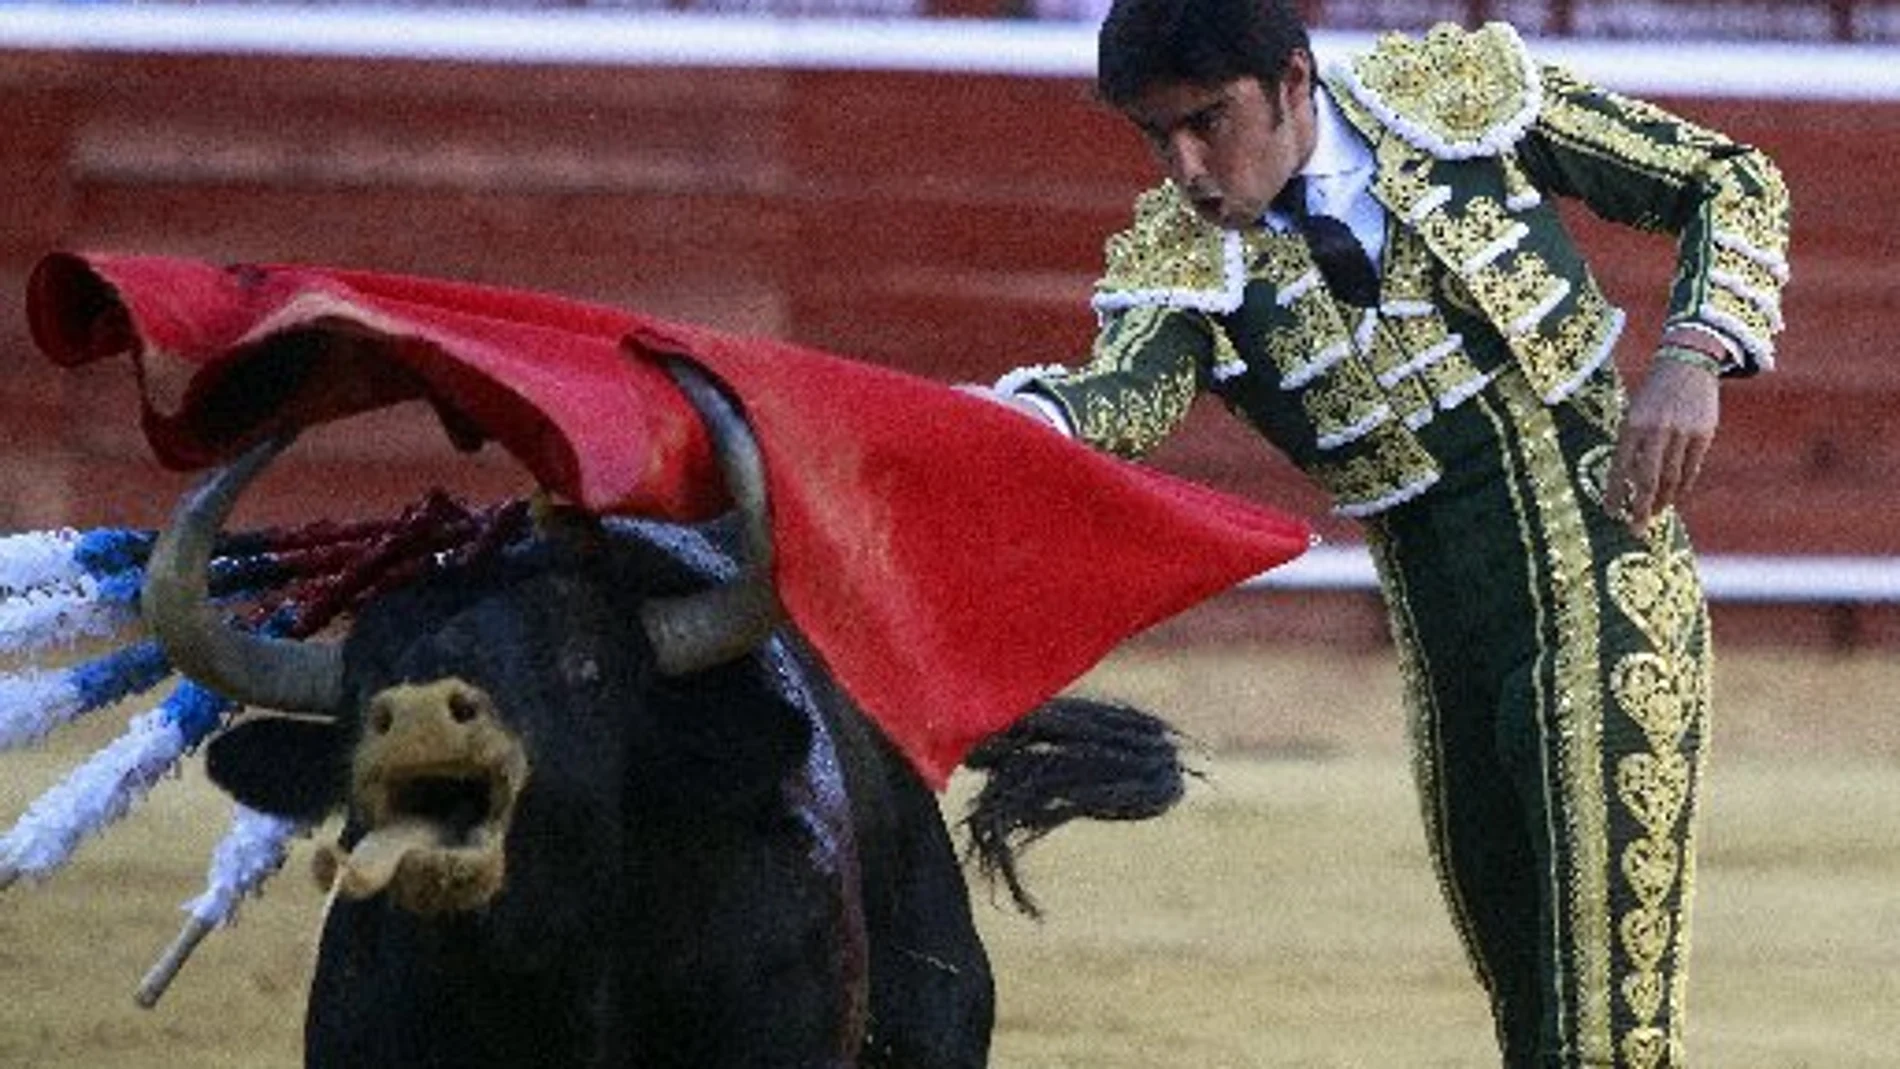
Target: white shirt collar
x: 1337, y: 148
x: 1339, y: 177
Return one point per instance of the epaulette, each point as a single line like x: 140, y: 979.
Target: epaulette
x: 1170, y: 256
x: 1454, y: 93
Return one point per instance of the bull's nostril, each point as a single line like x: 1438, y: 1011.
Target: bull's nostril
x: 463, y: 708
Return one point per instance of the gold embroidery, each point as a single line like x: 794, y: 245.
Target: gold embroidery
x: 1345, y: 405
x: 1749, y: 265
x: 1745, y: 300
x: 1751, y: 277
x: 1651, y: 866
x: 1519, y: 191
x: 1414, y: 353
x: 1390, y: 467
x: 1592, y: 120
x: 1122, y: 341
x: 1558, y: 327
x: 1129, y: 422
x: 1408, y: 269
x: 1116, y: 405
x: 1367, y: 398
x: 1288, y: 349
x: 1751, y: 212
x: 1594, y: 467
x: 1735, y: 273
x: 1625, y: 948
x: 1398, y: 348
x: 1457, y: 93
x: 1318, y: 337
x: 1644, y: 1048
x: 1466, y: 238
x: 1320, y: 327
x: 1654, y: 694
x: 1648, y: 590
x: 1459, y: 296
x: 1278, y: 258
x: 1664, y: 690
x: 1403, y: 181
x: 1646, y: 935
x: 1518, y: 296
x: 1575, y: 705
x: 1168, y: 247
x: 1559, y: 358
x: 1453, y: 378
x: 1412, y: 403
x: 1600, y: 400
x: 1654, y: 786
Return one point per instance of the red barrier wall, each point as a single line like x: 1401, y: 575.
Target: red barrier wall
x: 949, y: 224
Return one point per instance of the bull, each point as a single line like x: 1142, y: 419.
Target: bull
x: 603, y: 809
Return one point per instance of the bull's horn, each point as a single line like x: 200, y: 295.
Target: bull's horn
x: 253, y: 669
x: 730, y: 620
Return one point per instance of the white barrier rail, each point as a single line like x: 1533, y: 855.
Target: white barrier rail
x: 1786, y: 71
x: 1760, y: 579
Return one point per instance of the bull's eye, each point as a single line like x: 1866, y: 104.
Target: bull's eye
x: 580, y: 667
x: 381, y: 718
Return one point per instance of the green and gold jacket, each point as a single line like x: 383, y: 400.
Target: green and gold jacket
x: 1472, y: 139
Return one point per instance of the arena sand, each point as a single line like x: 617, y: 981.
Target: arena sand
x: 1285, y: 915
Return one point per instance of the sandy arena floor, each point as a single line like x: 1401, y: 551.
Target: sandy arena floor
x: 1284, y: 916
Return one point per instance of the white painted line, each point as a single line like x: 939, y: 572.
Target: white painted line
x: 1794, y: 71
x: 1726, y: 577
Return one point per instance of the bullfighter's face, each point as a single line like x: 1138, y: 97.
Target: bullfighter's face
x: 1230, y: 147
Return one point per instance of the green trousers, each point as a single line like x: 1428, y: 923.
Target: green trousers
x: 1556, y: 668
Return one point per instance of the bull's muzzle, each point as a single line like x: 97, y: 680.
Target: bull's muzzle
x: 434, y: 783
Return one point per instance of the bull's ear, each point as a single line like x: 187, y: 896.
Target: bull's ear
x: 291, y: 768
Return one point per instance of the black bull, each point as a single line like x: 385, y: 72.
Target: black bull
x: 569, y: 843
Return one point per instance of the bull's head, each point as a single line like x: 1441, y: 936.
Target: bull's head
x: 435, y: 772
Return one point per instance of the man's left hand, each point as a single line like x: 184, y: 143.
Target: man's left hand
x: 1666, y: 433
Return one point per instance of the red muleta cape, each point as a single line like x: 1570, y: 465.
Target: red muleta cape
x: 953, y: 563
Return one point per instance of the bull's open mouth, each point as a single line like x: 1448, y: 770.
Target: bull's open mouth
x: 435, y: 785
x: 434, y: 844
x: 458, y: 806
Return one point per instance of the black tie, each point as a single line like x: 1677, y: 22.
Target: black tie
x: 1342, y: 260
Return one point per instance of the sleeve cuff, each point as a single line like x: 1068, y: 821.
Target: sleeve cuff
x: 1021, y: 384
x: 1734, y: 359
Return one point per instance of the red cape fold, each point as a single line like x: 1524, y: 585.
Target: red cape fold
x: 953, y: 563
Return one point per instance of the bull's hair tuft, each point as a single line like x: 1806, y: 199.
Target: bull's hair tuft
x: 1070, y: 758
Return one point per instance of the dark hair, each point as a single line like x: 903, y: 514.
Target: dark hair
x: 1200, y: 42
